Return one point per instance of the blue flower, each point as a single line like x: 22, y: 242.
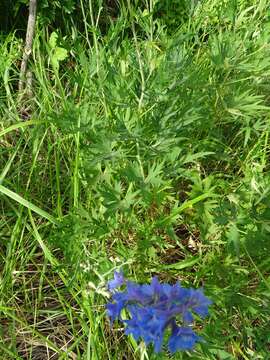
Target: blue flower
x: 182, y: 338
x: 114, y: 310
x: 156, y: 307
x: 200, y: 303
x: 117, y: 281
x: 147, y: 324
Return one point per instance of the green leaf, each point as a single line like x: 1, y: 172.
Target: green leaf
x: 27, y: 204
x: 21, y: 125
x: 59, y: 54
x: 53, y: 40
x: 187, y: 204
x: 233, y: 236
x: 182, y: 264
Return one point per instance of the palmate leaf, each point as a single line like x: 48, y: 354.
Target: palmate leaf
x: 233, y: 237
x: 177, y: 210
x: 155, y: 176
x: 130, y: 198
x: 117, y: 198
x: 247, y: 103
x: 57, y: 53
x: 133, y: 173
x: 189, y: 158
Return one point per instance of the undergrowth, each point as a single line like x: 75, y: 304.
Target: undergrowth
x: 144, y: 147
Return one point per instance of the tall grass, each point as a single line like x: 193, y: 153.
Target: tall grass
x: 144, y: 149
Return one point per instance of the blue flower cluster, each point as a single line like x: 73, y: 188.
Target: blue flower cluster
x: 156, y: 307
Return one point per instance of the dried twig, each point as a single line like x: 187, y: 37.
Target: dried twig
x: 28, y: 43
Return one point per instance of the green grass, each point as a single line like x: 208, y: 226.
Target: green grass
x: 147, y: 150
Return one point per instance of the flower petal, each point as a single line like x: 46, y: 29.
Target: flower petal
x: 117, y: 281
x: 182, y: 338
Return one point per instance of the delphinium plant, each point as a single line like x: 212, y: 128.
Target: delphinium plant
x: 157, y: 310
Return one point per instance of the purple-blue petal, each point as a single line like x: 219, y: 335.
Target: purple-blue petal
x: 114, y: 310
x: 154, y: 308
x: 182, y: 338
x: 200, y: 303
x: 187, y: 317
x: 117, y: 281
x: 147, y: 325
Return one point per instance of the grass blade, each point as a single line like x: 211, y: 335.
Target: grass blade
x: 27, y: 204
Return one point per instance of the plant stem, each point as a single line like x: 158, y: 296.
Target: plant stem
x: 28, y: 43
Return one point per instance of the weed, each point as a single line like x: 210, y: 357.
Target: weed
x: 146, y: 149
